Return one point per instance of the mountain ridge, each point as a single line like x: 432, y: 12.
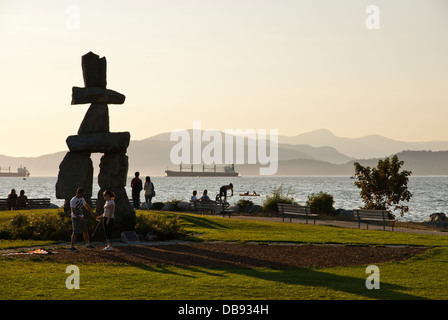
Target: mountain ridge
x: 369, y: 146
x: 152, y: 155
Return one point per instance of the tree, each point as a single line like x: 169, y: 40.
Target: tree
x: 384, y: 186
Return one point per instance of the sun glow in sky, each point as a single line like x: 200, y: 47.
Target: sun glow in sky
x: 291, y: 65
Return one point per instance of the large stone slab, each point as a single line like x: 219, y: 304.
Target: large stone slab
x: 99, y: 142
x: 130, y: 237
x: 96, y: 119
x: 75, y: 171
x: 113, y: 170
x: 94, y: 70
x: 96, y: 95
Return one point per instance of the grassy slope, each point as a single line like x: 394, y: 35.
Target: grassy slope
x: 423, y: 277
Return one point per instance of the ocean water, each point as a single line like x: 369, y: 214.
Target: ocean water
x: 430, y: 194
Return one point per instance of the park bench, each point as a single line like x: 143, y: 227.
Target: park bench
x: 15, y: 204
x: 38, y: 203
x: 294, y: 210
x: 378, y: 216
x: 212, y: 206
x: 93, y: 202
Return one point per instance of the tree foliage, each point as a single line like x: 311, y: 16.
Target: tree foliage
x: 385, y: 186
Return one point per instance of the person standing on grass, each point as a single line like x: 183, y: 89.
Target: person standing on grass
x: 78, y: 221
x: 109, y: 217
x: 137, y: 186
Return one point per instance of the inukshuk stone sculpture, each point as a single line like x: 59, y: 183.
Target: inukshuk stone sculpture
x: 76, y: 169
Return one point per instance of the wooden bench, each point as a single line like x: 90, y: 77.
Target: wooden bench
x: 295, y: 210
x: 38, y: 203
x: 16, y: 204
x: 367, y: 216
x: 93, y: 202
x: 212, y: 206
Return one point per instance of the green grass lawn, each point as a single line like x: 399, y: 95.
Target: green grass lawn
x: 421, y: 277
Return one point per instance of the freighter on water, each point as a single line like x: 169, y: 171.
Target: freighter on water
x: 21, y: 172
x: 229, y: 171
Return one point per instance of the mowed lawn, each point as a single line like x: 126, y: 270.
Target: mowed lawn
x: 421, y: 277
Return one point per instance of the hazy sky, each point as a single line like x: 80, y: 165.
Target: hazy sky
x: 294, y: 66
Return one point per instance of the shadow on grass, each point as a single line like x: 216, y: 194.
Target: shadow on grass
x: 192, y: 262
x: 201, y: 222
x: 299, y: 277
x: 316, y: 278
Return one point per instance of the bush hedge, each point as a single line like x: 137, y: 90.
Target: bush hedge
x: 279, y: 195
x: 163, y: 226
x: 321, y: 203
x: 57, y: 226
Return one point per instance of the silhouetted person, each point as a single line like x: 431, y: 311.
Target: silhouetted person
x: 194, y: 197
x: 11, y: 203
x: 22, y: 200
x: 137, y: 186
x: 149, y: 192
x: 223, y: 191
x: 78, y: 221
x: 205, y: 197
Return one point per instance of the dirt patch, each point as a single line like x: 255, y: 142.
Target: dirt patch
x: 236, y: 255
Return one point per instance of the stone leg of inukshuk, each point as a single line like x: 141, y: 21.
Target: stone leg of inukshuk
x: 94, y: 136
x: 75, y: 170
x: 113, y: 176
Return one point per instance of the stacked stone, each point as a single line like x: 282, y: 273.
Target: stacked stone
x: 76, y: 169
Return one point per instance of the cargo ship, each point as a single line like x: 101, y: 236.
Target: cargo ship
x: 21, y: 172
x: 229, y: 171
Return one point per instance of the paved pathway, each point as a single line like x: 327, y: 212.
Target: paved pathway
x: 346, y: 224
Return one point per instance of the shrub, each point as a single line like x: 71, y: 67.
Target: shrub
x: 279, y: 195
x: 243, y: 204
x: 164, y: 226
x: 51, y: 226
x: 321, y: 202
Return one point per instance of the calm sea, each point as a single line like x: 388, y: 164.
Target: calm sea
x: 429, y: 193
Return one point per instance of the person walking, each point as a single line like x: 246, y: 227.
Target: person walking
x: 108, y: 217
x: 137, y: 186
x: 149, y: 192
x: 77, y: 203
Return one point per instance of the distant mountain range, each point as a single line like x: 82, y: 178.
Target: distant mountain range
x: 315, y: 153
x: 371, y: 146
